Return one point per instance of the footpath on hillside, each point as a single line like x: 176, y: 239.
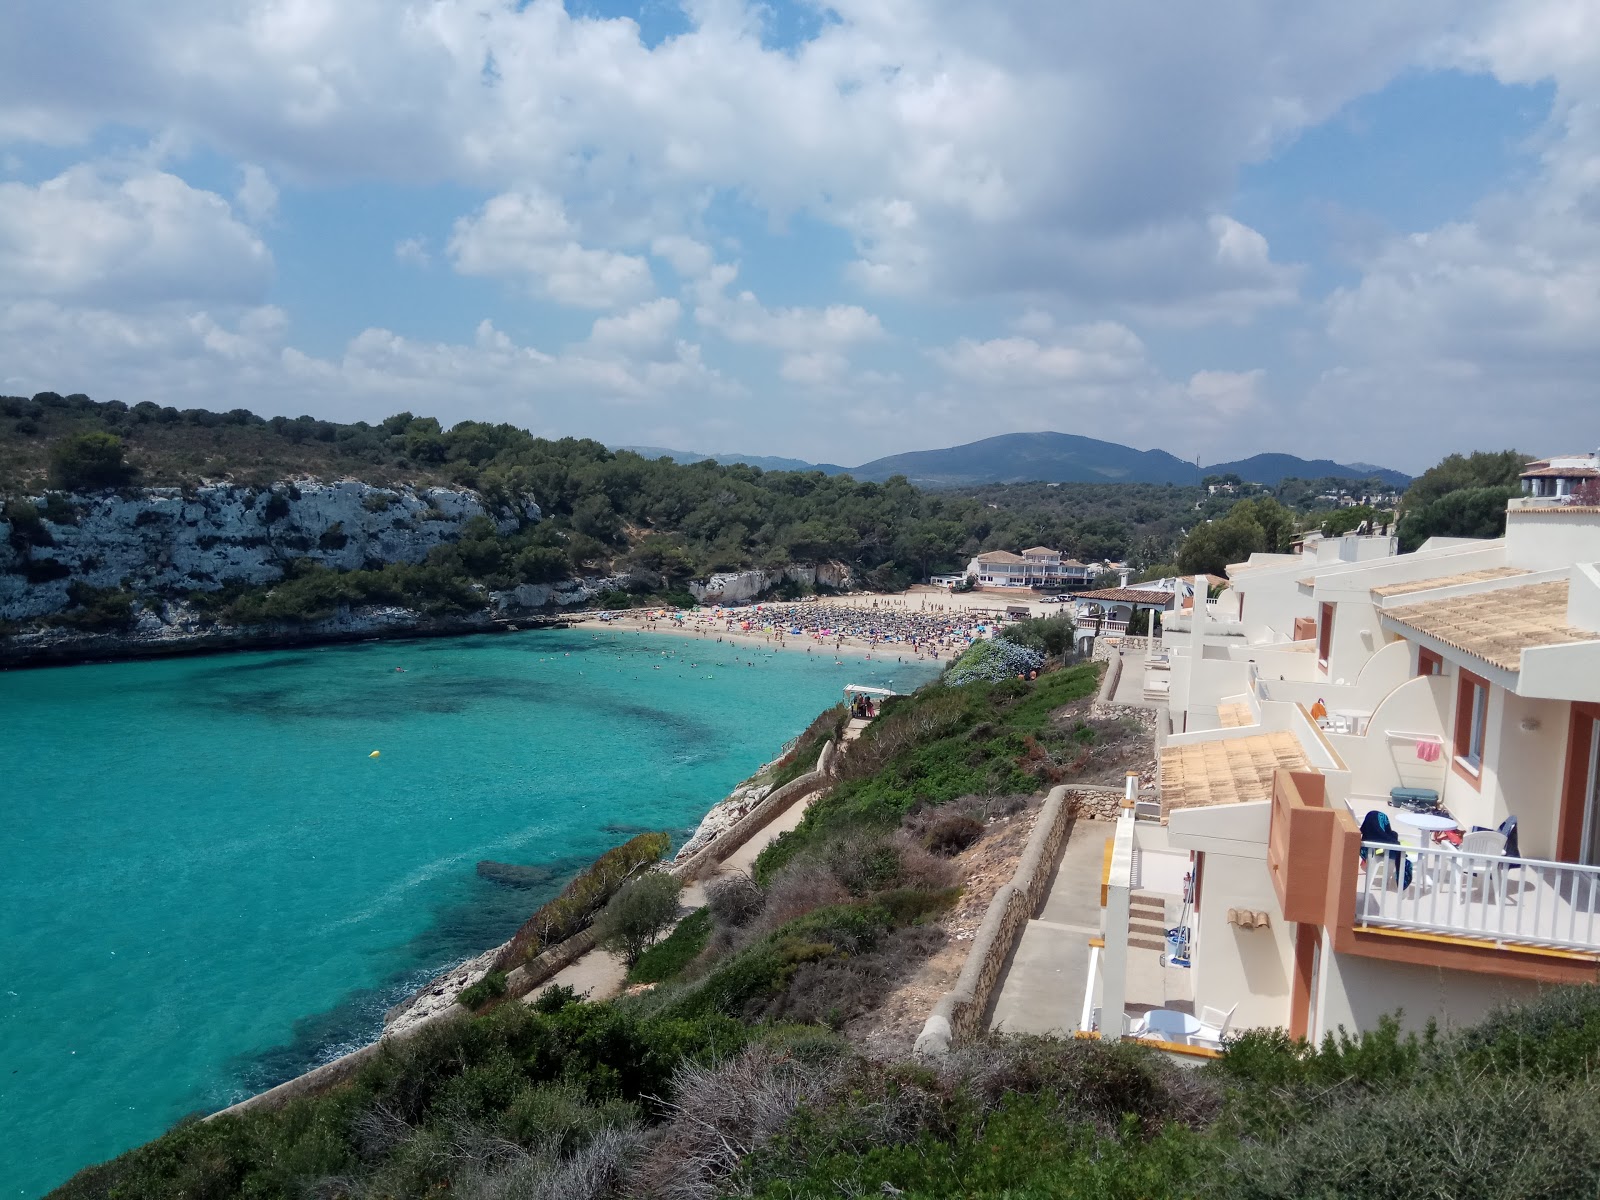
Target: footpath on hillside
x: 600, y: 974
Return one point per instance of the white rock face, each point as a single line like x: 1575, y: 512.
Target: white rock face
x: 170, y: 540
x: 531, y: 597
x: 736, y: 587
x: 723, y: 816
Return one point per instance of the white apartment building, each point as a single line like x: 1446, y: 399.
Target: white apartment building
x: 1314, y: 706
x: 1039, y: 567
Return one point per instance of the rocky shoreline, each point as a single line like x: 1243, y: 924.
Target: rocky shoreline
x: 54, y: 647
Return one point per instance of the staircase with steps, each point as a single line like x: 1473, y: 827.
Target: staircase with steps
x: 1147, y: 921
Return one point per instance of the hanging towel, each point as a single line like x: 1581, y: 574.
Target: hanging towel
x: 1428, y: 751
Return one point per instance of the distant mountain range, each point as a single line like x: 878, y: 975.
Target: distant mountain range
x: 1052, y: 458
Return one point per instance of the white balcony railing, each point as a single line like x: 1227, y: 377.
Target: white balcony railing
x: 1521, y: 900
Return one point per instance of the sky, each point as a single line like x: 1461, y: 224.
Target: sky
x: 1360, y: 230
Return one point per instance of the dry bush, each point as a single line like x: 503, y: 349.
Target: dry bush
x: 949, y: 834
x: 801, y: 887
x: 734, y: 899
x: 721, y: 1113
x: 592, y: 1172
x: 921, y: 869
x: 378, y: 1130
x: 836, y: 990
x: 1099, y: 1082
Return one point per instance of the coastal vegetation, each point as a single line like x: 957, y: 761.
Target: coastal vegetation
x: 586, y: 1101
x: 575, y: 908
x: 729, y: 1070
x: 641, y: 911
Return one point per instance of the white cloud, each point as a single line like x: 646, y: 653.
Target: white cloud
x: 689, y: 258
x: 1096, y: 354
x: 413, y: 251
x: 526, y: 236
x: 814, y: 369
x: 178, y: 354
x: 1224, y: 395
x: 1028, y: 146
x: 743, y: 318
x: 646, y: 329
x: 133, y: 236
x: 1486, y: 330
x: 256, y: 197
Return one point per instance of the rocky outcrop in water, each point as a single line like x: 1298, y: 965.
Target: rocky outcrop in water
x: 171, y: 541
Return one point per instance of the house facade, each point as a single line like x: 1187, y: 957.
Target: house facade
x: 1319, y: 704
x: 1560, y: 476
x: 1039, y: 567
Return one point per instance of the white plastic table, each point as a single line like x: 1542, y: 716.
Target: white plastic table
x: 1170, y: 1024
x: 1424, y: 824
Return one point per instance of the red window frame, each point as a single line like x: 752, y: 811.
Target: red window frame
x: 1429, y: 662
x: 1324, y: 634
x: 1466, y: 687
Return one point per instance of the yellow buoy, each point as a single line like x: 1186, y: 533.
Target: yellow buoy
x: 375, y: 754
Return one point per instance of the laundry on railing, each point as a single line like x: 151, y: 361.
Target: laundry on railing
x: 1429, y: 749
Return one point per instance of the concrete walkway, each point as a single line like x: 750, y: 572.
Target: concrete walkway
x: 1130, y: 686
x: 600, y: 975
x: 1042, y: 988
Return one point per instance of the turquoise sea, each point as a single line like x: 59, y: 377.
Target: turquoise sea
x: 207, y: 886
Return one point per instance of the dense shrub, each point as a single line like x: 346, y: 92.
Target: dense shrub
x: 1050, y: 636
x: 516, y: 1102
x: 994, y: 659
x: 640, y: 912
x: 95, y: 610
x: 89, y: 461
x: 733, y: 899
x: 669, y: 957
x: 581, y: 899
x: 952, y: 833
x: 491, y: 987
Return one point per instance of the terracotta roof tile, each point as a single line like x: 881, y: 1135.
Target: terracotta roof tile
x: 1126, y: 596
x: 1497, y: 626
x: 1231, y: 771
x: 1444, y: 581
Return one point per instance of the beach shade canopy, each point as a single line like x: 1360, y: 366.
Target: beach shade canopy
x: 861, y: 689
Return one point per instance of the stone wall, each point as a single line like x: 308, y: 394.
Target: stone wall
x: 171, y: 541
x: 959, y: 1013
x: 699, y: 865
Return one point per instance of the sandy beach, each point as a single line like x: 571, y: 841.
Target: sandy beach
x: 924, y: 624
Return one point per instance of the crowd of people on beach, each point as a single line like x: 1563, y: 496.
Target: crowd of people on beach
x: 921, y: 631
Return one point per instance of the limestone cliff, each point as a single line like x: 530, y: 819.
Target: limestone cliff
x: 169, y: 541
x: 737, y: 587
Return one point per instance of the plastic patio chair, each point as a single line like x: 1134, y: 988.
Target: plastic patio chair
x: 1489, y: 844
x: 1214, y: 1023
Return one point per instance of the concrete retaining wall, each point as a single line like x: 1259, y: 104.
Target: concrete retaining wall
x: 756, y: 819
x: 959, y: 1012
